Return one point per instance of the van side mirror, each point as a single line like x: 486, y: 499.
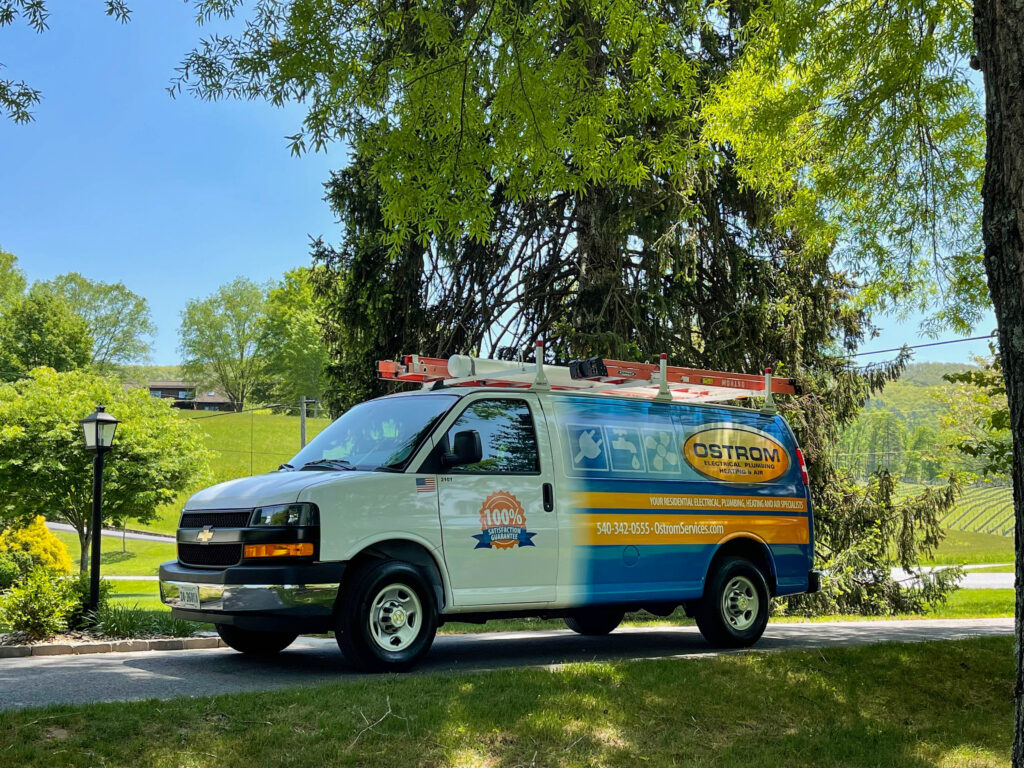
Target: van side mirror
x: 466, y: 449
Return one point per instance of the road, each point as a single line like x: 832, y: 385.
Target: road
x: 970, y: 579
x: 135, y: 535
x: 42, y: 680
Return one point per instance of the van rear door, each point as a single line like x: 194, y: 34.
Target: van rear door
x: 499, y: 528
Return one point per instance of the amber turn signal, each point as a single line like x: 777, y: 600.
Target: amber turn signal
x: 302, y: 549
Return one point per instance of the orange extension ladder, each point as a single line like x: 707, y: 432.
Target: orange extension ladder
x: 658, y: 381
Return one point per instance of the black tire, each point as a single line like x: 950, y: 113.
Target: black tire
x: 364, y: 625
x: 594, y: 621
x: 253, y: 642
x: 734, y: 610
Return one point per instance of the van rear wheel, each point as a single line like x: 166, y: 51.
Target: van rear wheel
x: 387, y: 618
x: 734, y: 610
x: 594, y: 621
x: 255, y: 642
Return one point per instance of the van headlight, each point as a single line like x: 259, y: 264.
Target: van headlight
x: 286, y: 514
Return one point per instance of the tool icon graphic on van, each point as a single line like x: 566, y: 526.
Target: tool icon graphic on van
x: 589, y: 448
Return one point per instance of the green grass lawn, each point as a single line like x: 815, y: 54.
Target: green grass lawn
x: 913, y: 705
x: 143, y: 558
x: 962, y: 604
x: 965, y: 603
x: 244, y: 444
x: 143, y: 594
x: 994, y: 569
x: 961, y: 547
x: 976, y: 603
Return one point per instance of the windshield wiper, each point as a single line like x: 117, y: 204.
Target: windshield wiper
x: 285, y: 466
x: 328, y: 464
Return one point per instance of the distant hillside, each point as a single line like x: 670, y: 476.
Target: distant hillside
x: 140, y: 375
x: 912, y: 397
x: 901, y: 429
x: 930, y: 374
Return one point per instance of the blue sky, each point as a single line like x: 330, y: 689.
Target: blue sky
x: 119, y: 181
x: 174, y: 197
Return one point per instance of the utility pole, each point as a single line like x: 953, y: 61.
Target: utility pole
x: 302, y: 421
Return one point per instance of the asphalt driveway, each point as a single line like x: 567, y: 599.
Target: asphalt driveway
x: 40, y: 680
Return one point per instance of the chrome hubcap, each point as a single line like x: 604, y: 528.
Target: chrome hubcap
x: 740, y: 603
x: 395, y: 617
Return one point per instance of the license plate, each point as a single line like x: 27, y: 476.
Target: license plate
x: 188, y: 596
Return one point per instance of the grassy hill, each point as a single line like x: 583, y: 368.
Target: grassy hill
x: 913, y: 396
x: 930, y: 374
x: 962, y: 547
x: 243, y: 444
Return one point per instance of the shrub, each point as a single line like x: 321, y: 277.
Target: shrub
x: 40, y: 606
x: 39, y: 543
x: 121, y: 621
x: 9, y: 571
x: 80, y: 588
x: 14, y: 566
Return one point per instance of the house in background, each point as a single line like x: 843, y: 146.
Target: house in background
x: 190, y: 396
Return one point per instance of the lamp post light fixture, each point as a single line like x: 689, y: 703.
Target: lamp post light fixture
x: 98, y: 429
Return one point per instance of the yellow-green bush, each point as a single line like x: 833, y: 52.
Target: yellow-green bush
x: 41, y: 605
x: 39, y: 543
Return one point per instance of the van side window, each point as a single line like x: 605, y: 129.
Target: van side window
x: 507, y: 437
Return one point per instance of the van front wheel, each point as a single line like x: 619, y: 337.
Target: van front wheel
x: 387, y: 618
x: 734, y: 610
x: 253, y: 642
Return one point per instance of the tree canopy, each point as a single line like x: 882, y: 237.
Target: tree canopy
x: 981, y: 417
x: 867, y: 122
x: 12, y: 279
x: 41, y: 330
x: 223, y: 338
x: 45, y: 468
x: 296, y: 357
x: 450, y: 100
x: 117, y: 319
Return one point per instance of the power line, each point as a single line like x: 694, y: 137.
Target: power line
x: 922, y: 346
x: 247, y: 410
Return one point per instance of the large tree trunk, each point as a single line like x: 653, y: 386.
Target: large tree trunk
x: 999, y: 33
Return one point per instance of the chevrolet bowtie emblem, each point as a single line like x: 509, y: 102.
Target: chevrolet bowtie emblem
x: 205, y: 535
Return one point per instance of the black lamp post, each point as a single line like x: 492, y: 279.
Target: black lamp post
x: 98, y: 429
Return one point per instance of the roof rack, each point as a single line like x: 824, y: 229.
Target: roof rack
x: 595, y: 375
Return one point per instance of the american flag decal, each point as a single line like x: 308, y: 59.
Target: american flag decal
x: 426, y: 485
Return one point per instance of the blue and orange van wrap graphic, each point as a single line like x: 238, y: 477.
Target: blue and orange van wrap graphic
x: 656, y: 488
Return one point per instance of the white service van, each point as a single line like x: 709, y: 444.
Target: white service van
x: 503, y: 490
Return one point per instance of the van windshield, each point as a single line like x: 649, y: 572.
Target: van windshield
x: 378, y: 434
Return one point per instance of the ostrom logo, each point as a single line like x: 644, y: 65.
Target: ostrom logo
x: 736, y: 454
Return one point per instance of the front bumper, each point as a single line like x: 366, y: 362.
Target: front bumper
x: 299, y: 597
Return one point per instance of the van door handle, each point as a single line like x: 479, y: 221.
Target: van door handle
x: 549, y: 497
